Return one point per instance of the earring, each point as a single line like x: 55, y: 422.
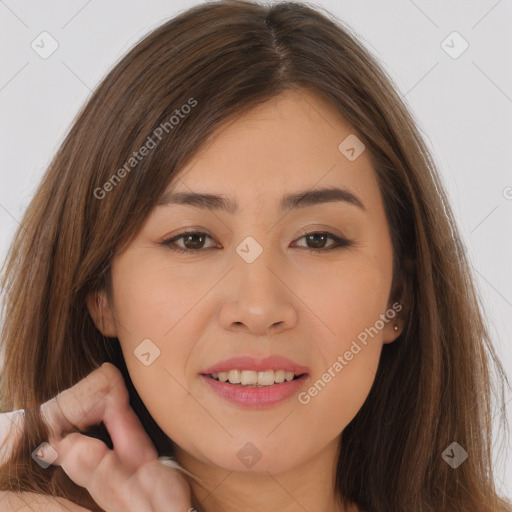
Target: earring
x: 396, y: 326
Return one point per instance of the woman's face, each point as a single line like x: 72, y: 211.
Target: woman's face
x: 252, y: 285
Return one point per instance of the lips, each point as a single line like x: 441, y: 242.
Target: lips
x: 274, y: 362
x: 256, y: 397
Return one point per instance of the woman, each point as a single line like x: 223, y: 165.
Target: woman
x: 246, y: 222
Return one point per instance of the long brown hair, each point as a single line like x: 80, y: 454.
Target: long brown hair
x: 433, y: 385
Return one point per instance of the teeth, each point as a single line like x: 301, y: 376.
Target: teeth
x: 279, y: 375
x: 252, y: 378
x: 248, y: 378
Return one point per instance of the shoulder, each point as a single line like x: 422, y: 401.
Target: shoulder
x: 24, y: 502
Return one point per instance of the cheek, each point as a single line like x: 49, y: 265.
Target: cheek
x: 151, y: 297
x: 350, y: 303
x: 334, y: 398
x: 346, y: 298
x: 157, y: 313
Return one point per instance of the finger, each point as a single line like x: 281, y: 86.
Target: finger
x: 76, y: 407
x: 102, y: 396
x: 129, y: 438
x: 79, y: 456
x: 92, y: 465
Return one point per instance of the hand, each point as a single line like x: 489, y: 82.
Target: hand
x: 128, y: 478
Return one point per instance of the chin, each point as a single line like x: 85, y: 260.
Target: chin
x: 254, y: 457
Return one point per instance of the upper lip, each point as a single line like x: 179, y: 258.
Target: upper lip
x: 274, y: 362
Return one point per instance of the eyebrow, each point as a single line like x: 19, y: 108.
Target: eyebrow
x: 300, y: 199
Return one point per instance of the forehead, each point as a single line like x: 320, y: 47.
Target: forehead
x: 290, y: 142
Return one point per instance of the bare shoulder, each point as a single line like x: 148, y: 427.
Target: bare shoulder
x: 30, y: 501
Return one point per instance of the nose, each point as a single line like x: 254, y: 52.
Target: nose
x: 257, y: 300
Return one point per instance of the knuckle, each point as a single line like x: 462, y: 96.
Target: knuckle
x: 70, y: 406
x: 88, y: 453
x: 111, y: 372
x: 110, y: 382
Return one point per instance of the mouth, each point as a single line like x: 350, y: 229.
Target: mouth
x: 248, y: 391
x: 247, y: 381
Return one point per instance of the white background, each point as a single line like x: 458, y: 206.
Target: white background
x: 463, y: 107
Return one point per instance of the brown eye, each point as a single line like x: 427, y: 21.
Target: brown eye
x: 193, y: 241
x: 317, y: 240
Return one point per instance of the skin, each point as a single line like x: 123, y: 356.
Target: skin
x: 204, y: 307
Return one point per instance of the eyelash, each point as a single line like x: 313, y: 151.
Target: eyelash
x: 340, y: 242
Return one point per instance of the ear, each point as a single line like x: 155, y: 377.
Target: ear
x: 398, y: 309
x: 395, y: 324
x: 102, y: 313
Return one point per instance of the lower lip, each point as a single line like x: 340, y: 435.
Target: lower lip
x: 256, y: 397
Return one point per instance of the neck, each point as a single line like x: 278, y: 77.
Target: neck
x: 307, y: 486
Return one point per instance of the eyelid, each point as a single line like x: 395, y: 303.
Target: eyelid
x: 168, y: 242
x: 339, y: 241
